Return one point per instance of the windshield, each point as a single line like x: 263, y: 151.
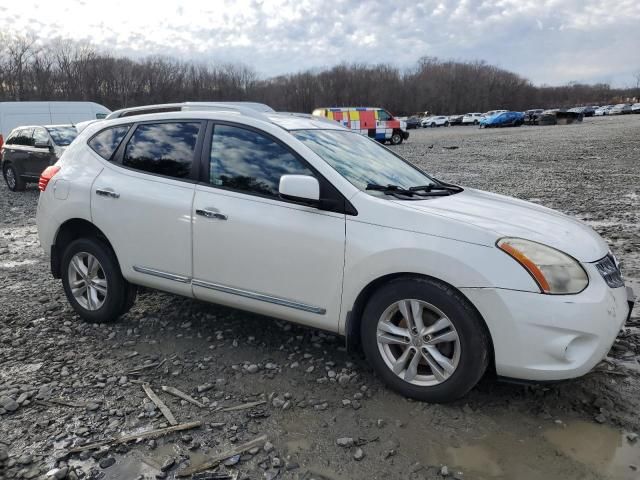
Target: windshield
x: 62, y: 136
x: 361, y: 160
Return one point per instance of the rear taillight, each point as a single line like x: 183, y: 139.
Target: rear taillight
x: 1, y: 140
x: 47, y: 175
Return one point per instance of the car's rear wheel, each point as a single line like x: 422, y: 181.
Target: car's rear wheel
x: 14, y: 181
x: 93, y: 282
x: 396, y: 138
x: 424, y: 339
x: 446, y: 124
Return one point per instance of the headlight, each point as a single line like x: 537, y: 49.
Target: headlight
x: 555, y: 272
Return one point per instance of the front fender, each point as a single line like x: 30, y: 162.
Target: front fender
x: 373, y: 252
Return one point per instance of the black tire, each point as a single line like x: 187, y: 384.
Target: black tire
x: 120, y: 294
x: 472, y: 333
x: 396, y: 138
x: 446, y: 124
x: 432, y: 125
x: 13, y: 180
x: 476, y: 122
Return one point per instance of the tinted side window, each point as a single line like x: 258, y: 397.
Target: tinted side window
x: 107, y: 141
x: 163, y: 148
x: 22, y: 137
x: 247, y: 161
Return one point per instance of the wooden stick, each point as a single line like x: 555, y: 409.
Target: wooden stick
x: 216, y: 459
x: 130, y: 438
x: 244, y: 406
x: 160, y: 404
x: 182, y: 395
x: 68, y: 403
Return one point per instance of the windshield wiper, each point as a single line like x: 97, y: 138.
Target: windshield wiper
x: 390, y: 189
x: 440, y: 187
x: 421, y: 191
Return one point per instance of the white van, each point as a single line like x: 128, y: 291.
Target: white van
x: 16, y: 114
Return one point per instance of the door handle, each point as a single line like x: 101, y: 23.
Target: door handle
x: 210, y: 214
x: 107, y: 192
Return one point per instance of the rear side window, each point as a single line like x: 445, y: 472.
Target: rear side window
x: 163, y: 148
x: 21, y: 137
x: 107, y: 141
x: 247, y: 161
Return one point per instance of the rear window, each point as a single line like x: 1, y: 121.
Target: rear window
x: 106, y: 142
x: 163, y: 148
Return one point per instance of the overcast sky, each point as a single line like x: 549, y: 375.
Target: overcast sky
x: 552, y: 42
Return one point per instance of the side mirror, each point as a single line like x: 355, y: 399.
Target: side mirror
x: 300, y: 188
x: 42, y: 145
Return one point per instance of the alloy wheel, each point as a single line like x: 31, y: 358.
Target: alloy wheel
x: 418, y: 342
x: 87, y: 281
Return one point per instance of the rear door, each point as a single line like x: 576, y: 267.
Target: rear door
x: 142, y: 202
x: 41, y: 154
x: 18, y: 150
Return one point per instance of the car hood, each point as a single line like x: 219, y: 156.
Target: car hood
x: 510, y: 217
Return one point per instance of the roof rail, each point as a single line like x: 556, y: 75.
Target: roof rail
x: 246, y: 108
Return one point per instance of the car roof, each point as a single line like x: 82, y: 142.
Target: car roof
x: 285, y: 120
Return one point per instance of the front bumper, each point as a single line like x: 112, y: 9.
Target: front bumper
x: 552, y: 337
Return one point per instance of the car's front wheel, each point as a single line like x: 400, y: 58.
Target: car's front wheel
x: 12, y: 178
x: 424, y: 339
x: 396, y: 138
x: 93, y: 282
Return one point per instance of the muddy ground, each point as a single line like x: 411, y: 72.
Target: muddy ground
x: 64, y: 383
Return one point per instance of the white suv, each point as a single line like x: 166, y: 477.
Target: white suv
x: 304, y: 220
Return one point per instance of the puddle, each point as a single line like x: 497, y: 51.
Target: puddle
x: 604, y: 449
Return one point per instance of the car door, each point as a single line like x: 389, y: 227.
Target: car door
x: 254, y: 250
x: 41, y: 154
x: 142, y: 201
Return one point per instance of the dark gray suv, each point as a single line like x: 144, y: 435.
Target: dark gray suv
x: 29, y: 150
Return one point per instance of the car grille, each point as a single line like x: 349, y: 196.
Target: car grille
x: 608, y: 268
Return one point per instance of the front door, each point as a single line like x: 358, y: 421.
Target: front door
x: 142, y: 201
x: 252, y: 249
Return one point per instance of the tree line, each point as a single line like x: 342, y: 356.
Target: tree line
x: 62, y: 70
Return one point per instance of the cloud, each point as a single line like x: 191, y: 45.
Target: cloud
x: 547, y: 41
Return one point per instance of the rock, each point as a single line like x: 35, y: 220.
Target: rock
x: 277, y: 402
x: 230, y: 462
x: 632, y: 437
x: 204, y: 388
x: 345, y: 442
x: 25, y: 459
x: 380, y: 423
x: 9, y: 404
x: 600, y: 418
x: 253, y: 368
x: 358, y: 455
x: 107, y: 462
x: 268, y: 447
x: 4, y: 454
x: 444, y: 471
x: 168, y: 464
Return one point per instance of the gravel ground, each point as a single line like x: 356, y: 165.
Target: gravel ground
x: 65, y: 383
